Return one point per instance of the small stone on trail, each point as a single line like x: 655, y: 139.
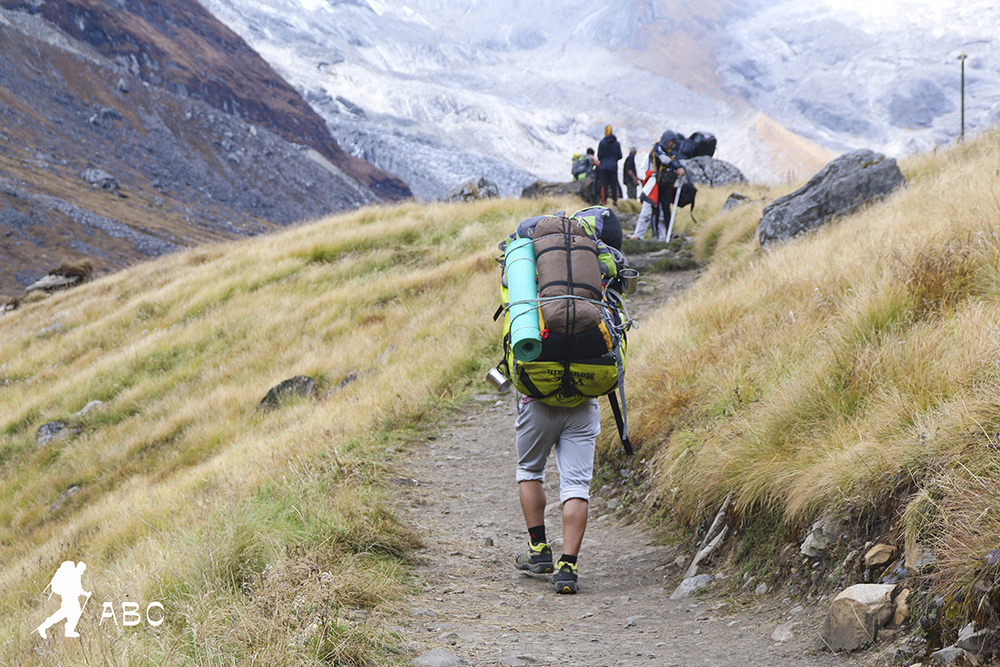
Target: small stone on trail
x: 690, y: 585
x: 783, y: 632
x: 425, y: 612
x: 437, y: 658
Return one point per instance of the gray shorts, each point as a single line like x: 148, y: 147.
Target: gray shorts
x: 573, y: 432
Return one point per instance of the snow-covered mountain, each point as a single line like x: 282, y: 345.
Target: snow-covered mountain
x: 882, y: 74
x: 440, y: 91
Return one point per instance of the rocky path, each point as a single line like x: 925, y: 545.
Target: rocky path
x: 473, y: 608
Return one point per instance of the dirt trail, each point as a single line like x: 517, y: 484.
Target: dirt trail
x: 457, y: 490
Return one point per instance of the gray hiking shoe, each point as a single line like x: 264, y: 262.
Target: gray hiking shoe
x: 537, y: 559
x: 565, y: 577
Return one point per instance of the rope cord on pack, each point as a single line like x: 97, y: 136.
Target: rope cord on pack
x: 627, y: 321
x: 607, y: 310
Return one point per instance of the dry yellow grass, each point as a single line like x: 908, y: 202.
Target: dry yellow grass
x: 170, y: 468
x: 852, y: 365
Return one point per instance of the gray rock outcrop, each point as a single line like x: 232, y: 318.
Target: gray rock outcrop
x: 735, y: 199
x: 973, y: 641
x: 300, y: 386
x: 473, y: 190
x: 857, y: 614
x: 52, y: 282
x: 710, y: 171
x: 101, y: 179
x: 949, y: 655
x: 583, y: 189
x: 841, y: 187
x: 55, y: 431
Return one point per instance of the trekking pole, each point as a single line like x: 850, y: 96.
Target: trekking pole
x: 673, y: 210
x: 89, y: 595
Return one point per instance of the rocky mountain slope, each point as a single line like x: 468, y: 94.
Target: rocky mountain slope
x: 440, y: 92
x: 126, y: 132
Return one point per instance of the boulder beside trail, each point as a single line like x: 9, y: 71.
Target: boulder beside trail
x: 710, y: 171
x: 848, y: 182
x: 857, y: 614
x: 583, y: 189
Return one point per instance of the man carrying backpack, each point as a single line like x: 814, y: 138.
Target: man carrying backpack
x: 609, y: 151
x: 584, y: 165
x: 568, y: 423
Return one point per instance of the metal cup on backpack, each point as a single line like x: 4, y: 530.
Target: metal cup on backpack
x: 498, y: 380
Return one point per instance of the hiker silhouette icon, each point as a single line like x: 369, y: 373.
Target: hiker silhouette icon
x: 68, y: 584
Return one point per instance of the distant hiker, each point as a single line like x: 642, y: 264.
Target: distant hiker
x: 66, y: 583
x: 630, y: 174
x: 584, y: 165
x: 650, y: 198
x: 663, y: 171
x: 609, y: 151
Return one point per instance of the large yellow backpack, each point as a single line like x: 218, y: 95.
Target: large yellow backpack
x: 581, y: 316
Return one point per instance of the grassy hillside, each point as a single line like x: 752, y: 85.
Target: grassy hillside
x: 854, y: 369
x: 256, y: 530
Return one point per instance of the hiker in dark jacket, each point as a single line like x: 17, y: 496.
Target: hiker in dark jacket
x: 668, y: 170
x: 664, y: 170
x: 609, y: 151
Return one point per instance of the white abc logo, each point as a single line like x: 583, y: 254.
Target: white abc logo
x: 131, y: 615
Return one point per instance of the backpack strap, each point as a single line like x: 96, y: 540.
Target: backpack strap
x: 620, y: 410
